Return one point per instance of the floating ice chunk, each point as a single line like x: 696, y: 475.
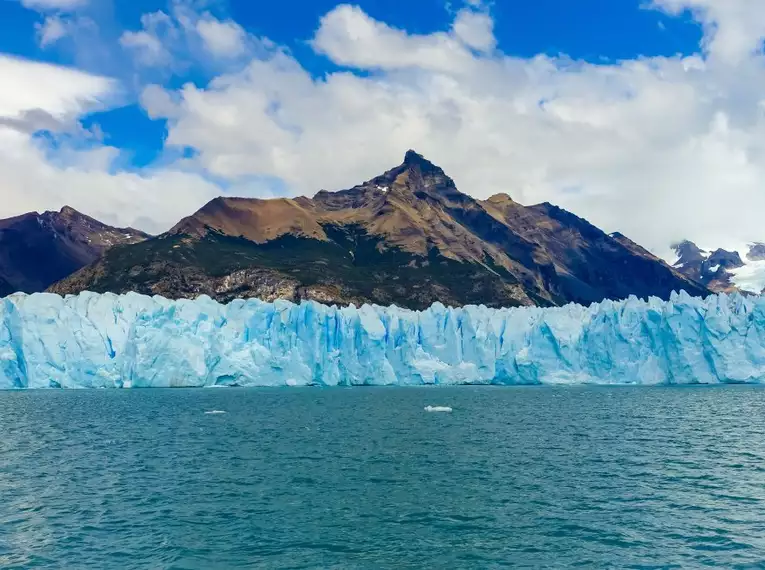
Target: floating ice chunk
x: 438, y: 409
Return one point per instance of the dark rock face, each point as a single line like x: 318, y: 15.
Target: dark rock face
x: 37, y: 250
x: 713, y: 270
x: 407, y: 237
x: 690, y: 260
x: 725, y: 259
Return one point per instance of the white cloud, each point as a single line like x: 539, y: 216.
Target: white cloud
x: 148, y: 48
x: 37, y: 176
x: 57, y: 27
x: 153, y: 200
x: 222, y: 39
x: 348, y: 36
x: 734, y: 28
x: 149, y: 44
x: 184, y: 38
x: 50, y: 31
x: 475, y: 29
x: 44, y: 5
x: 59, y: 91
x: 658, y: 148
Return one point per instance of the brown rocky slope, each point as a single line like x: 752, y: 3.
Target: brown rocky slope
x: 407, y: 237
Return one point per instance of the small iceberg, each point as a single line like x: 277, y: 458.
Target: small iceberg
x: 214, y: 412
x: 438, y: 409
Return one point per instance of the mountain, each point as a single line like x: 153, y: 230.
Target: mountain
x: 36, y: 250
x: 407, y: 237
x: 721, y: 270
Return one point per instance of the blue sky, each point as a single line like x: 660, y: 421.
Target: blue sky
x: 623, y: 111
x: 591, y: 30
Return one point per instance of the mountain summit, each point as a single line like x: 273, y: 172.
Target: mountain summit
x: 407, y: 237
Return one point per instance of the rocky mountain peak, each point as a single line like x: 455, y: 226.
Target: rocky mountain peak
x: 417, y: 177
x: 688, y: 251
x: 413, y: 159
x: 500, y: 198
x: 69, y: 212
x: 725, y: 259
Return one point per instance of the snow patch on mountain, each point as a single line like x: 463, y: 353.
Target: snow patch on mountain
x: 738, y: 266
x: 750, y: 277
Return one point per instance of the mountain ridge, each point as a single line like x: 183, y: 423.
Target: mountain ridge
x: 406, y: 237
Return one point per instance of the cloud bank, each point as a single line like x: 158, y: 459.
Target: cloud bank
x: 660, y: 148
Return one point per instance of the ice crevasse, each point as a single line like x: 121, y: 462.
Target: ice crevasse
x: 91, y: 341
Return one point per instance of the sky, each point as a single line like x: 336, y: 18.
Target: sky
x: 642, y: 116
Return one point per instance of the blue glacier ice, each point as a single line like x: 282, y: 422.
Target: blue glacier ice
x: 94, y: 341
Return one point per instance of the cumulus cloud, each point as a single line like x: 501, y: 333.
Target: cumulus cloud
x: 475, y: 29
x: 734, y: 28
x: 184, y: 38
x: 222, y: 39
x: 85, y: 180
x: 77, y: 170
x: 660, y: 148
x: 349, y: 37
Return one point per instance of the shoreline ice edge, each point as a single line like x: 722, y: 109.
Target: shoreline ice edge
x: 106, y: 340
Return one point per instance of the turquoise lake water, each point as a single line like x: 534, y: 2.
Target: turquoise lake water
x: 365, y: 478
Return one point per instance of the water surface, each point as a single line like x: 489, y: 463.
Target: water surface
x: 365, y: 478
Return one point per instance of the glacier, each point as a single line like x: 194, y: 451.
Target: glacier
x: 105, y: 340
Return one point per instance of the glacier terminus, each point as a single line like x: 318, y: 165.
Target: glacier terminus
x: 105, y: 341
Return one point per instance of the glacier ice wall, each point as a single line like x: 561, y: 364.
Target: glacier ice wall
x: 91, y: 340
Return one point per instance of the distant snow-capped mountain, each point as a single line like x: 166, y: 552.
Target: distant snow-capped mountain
x: 721, y: 270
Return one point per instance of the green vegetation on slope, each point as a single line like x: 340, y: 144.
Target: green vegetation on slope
x: 358, y: 265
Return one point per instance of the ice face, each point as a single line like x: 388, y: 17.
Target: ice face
x: 91, y: 340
